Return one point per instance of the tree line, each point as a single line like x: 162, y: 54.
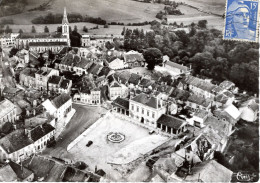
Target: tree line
x: 72, y: 18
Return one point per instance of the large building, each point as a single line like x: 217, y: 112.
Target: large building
x: 147, y: 109
x: 7, y: 112
x: 8, y: 39
x: 40, y: 42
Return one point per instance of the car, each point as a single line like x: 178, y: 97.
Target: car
x: 89, y: 143
x: 151, y: 132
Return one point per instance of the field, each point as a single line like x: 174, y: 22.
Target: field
x: 103, y: 151
x: 110, y: 10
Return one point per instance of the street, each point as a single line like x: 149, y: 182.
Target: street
x: 7, y: 74
x: 84, y: 117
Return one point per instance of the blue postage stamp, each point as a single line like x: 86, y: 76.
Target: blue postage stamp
x: 241, y: 20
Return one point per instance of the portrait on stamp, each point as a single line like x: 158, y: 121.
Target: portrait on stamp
x: 241, y: 20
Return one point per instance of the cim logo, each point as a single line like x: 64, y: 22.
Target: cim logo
x: 245, y: 176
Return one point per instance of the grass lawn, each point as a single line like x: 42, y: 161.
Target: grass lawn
x: 102, y: 150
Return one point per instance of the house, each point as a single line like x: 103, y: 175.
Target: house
x: 195, y: 102
x: 180, y: 96
x: 7, y: 112
x: 134, y: 80
x: 134, y: 59
x: 54, y: 83
x: 23, y: 173
x: 116, y: 89
x: 199, y: 87
x: 7, y: 174
x: 68, y: 62
x: 22, y: 143
x: 65, y: 86
x: 10, y: 93
x: 27, y: 77
x: 99, y: 40
x: 42, y: 77
x: 171, y: 125
x: 146, y: 109
x: 7, y: 40
x: 224, y: 99
x: 177, y: 68
x: 249, y: 110
x: 89, y: 93
x: 41, y: 47
x: 209, y: 171
x: 200, y: 117
x: 59, y: 107
x: 117, y: 64
x: 227, y: 85
x: 85, y: 40
x: 22, y: 56
x: 121, y: 106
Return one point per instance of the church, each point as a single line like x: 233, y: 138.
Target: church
x: 41, y: 42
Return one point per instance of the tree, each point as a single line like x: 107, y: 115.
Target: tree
x: 85, y: 29
x: 123, y: 31
x: 8, y: 29
x: 152, y: 56
x: 59, y: 29
x: 75, y: 29
x: 203, y: 24
x: 106, y: 26
x: 46, y: 29
x: 20, y: 31
x: 33, y: 29
x: 183, y: 37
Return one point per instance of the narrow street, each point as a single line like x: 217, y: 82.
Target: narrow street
x: 8, y: 79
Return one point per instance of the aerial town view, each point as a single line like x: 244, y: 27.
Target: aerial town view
x: 129, y: 91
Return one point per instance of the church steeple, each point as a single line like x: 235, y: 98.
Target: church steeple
x: 65, y: 18
x: 65, y: 26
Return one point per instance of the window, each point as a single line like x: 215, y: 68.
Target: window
x: 153, y: 114
x: 132, y: 107
x: 147, y: 113
x: 142, y: 110
x: 137, y: 109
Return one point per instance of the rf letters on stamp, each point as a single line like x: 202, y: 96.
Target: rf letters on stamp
x: 241, y: 20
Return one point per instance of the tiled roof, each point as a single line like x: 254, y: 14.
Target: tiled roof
x: 232, y: 111
x: 60, y: 100
x: 146, y: 100
x: 70, y: 59
x: 26, y: 35
x: 121, y: 102
x: 199, y: 83
x: 199, y: 100
x: 21, y: 172
x: 180, y: 94
x: 96, y: 69
x: 48, y: 44
x: 92, y: 67
x: 252, y: 104
x: 201, y: 113
x: 178, y: 66
x: 10, y: 90
x: 226, y: 84
x: 15, y: 141
x: 5, y: 107
x: 65, y: 83
x: 123, y: 76
x: 133, y: 56
x: 219, y: 125
x: 7, y: 174
x: 210, y: 171
x: 29, y: 71
x: 40, y: 165
x: 146, y: 82
x: 104, y: 71
x: 87, y: 85
x: 170, y: 121
x: 40, y: 131
x: 55, y: 79
x: 134, y: 79
x: 84, y: 63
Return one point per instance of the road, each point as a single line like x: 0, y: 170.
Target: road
x: 8, y: 79
x: 84, y: 117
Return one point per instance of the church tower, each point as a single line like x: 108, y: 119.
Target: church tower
x: 65, y: 26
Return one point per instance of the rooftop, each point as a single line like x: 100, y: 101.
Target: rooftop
x: 171, y: 121
x: 199, y: 100
x: 178, y: 66
x: 7, y: 174
x: 30, y: 35
x: 6, y: 106
x: 147, y: 100
x: 15, y: 141
x: 40, y: 131
x: 65, y: 83
x: 60, y: 100
x: 133, y: 56
x: 21, y: 172
x: 48, y: 44
x: 134, y: 79
x: 29, y: 72
x: 201, y: 113
x: 55, y: 79
x: 121, y: 102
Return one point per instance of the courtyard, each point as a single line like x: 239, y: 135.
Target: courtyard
x: 102, y: 152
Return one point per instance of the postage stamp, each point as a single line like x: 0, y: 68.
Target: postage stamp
x: 241, y: 20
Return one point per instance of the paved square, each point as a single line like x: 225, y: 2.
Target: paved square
x: 137, y: 142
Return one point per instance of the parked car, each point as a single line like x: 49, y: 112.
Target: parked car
x: 89, y: 143
x: 151, y: 132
